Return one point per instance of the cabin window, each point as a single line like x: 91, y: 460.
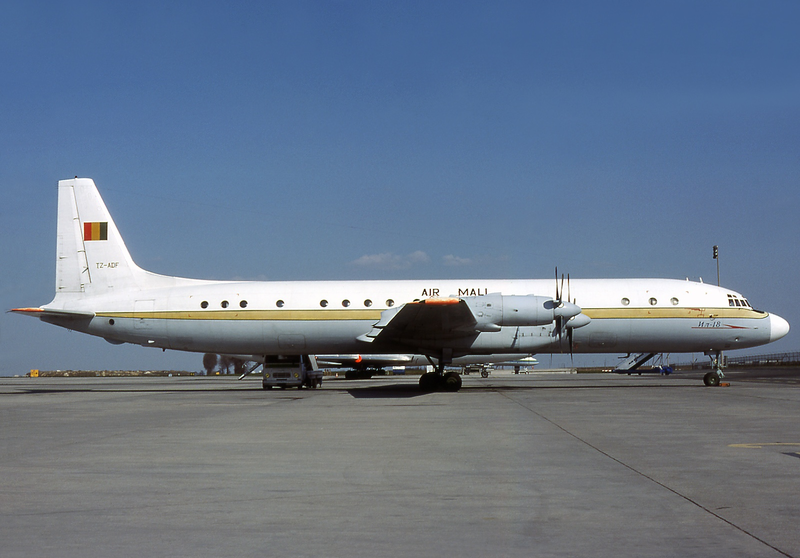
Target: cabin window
x: 368, y: 303
x: 279, y: 304
x: 243, y: 304
x: 224, y: 304
x: 111, y: 321
x: 626, y: 301
x: 323, y: 303
x: 674, y: 301
x: 390, y: 303
x: 345, y: 303
x: 653, y: 301
x: 204, y: 304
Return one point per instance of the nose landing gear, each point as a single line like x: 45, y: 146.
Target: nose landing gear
x: 713, y: 378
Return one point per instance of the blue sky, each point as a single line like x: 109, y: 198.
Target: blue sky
x: 378, y: 140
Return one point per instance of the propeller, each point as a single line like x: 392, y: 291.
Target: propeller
x: 567, y: 315
x: 562, y: 311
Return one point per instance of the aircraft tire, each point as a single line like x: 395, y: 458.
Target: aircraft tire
x: 429, y: 381
x: 711, y: 379
x: 452, y: 381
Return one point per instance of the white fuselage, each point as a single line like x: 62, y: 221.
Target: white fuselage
x: 271, y: 318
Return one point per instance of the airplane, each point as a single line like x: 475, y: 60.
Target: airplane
x: 101, y: 291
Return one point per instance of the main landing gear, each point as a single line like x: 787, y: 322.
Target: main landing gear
x: 435, y: 381
x: 713, y: 378
x: 441, y: 380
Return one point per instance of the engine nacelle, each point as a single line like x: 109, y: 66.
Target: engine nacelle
x: 493, y: 311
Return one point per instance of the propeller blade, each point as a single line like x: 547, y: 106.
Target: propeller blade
x: 558, y: 295
x: 571, y: 347
x: 569, y: 291
x: 558, y: 331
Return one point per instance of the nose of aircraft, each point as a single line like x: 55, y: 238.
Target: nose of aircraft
x: 778, y: 327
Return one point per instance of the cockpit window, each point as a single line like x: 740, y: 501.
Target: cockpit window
x: 734, y: 300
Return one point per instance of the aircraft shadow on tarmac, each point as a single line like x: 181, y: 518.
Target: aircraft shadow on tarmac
x: 404, y: 391
x: 389, y: 391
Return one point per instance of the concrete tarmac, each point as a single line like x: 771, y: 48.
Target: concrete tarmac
x: 535, y: 465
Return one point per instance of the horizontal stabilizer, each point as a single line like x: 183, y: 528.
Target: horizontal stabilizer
x: 49, y: 313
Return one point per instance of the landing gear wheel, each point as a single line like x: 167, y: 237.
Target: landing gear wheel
x: 429, y: 381
x: 452, y: 381
x: 711, y: 379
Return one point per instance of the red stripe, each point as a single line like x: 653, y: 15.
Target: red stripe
x: 87, y: 231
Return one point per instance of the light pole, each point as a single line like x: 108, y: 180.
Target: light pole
x: 719, y: 360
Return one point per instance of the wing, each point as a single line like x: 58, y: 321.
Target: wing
x: 426, y: 321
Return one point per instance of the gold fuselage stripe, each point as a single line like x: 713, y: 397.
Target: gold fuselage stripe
x: 699, y: 313
x: 360, y: 314
x: 284, y: 315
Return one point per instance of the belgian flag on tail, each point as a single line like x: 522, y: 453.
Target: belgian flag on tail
x: 95, y: 231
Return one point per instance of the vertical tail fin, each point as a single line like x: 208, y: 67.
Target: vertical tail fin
x: 91, y: 255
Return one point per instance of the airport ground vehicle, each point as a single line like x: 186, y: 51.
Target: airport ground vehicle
x: 483, y: 369
x: 284, y: 376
